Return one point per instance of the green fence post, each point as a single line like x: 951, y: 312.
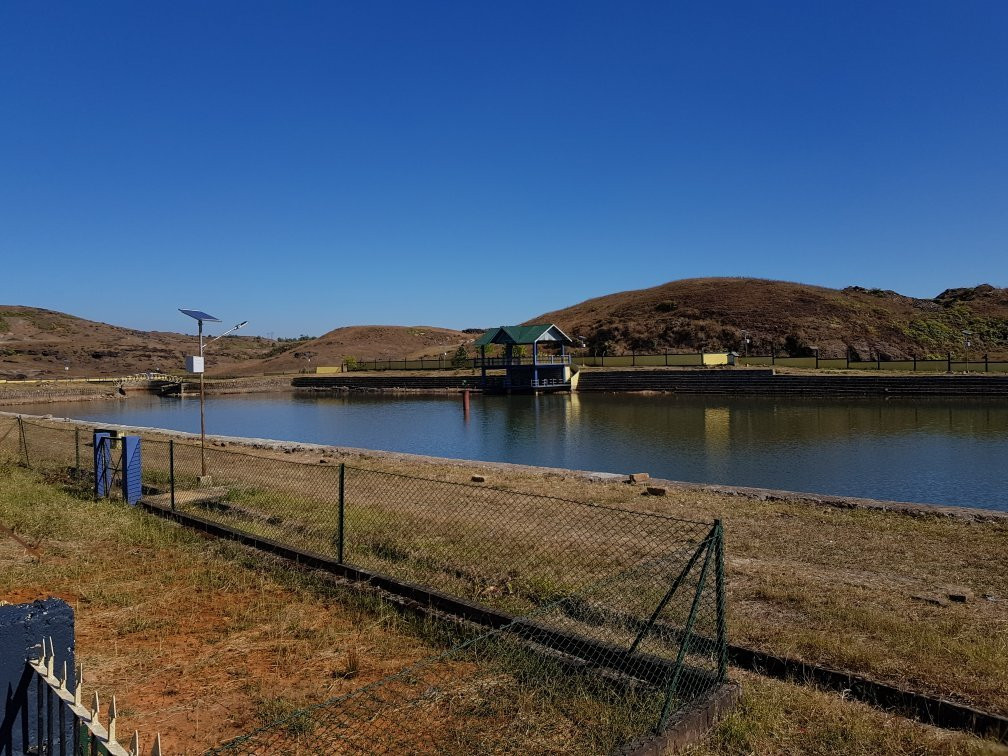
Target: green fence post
x: 24, y: 441
x: 915, y: 363
x: 171, y: 471
x: 681, y: 656
x: 342, y: 500
x: 77, y: 470
x: 986, y: 363
x: 722, y: 641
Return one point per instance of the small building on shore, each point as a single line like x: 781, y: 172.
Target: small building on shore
x: 547, y: 368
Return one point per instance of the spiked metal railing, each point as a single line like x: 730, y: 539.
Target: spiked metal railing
x: 63, y: 724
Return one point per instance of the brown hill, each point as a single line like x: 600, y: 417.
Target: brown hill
x: 365, y: 343
x: 37, y: 343
x: 714, y: 313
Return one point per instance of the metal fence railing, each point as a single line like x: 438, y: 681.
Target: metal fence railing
x: 948, y: 364
x: 48, y: 712
x: 603, y: 622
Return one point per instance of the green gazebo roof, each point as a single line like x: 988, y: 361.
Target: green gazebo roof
x: 523, y: 334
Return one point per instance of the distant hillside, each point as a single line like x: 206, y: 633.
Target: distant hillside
x: 37, y: 343
x: 713, y: 313
x: 363, y: 343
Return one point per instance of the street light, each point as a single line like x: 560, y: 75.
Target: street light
x: 966, y: 339
x: 195, y: 365
x: 745, y: 342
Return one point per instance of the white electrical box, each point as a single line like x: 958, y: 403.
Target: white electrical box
x: 194, y: 364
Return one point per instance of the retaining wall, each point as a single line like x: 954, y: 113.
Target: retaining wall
x: 767, y: 382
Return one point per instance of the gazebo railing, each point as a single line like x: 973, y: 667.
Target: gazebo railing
x: 542, y: 359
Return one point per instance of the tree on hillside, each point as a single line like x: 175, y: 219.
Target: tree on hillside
x: 461, y: 357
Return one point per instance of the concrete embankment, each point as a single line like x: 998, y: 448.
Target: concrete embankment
x: 405, y: 383
x: 36, y: 393
x: 767, y: 382
x: 738, y: 381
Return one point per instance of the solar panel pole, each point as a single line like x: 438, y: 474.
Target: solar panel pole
x: 202, y: 414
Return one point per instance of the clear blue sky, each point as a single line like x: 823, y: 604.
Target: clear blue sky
x: 310, y: 165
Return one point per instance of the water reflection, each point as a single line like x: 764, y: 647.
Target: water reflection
x: 931, y: 450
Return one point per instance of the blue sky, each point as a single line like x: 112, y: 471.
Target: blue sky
x: 310, y: 165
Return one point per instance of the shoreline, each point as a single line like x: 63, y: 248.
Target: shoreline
x: 314, y: 450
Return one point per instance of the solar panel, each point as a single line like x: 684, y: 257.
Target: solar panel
x: 200, y: 315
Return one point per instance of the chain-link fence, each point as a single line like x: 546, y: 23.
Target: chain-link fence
x: 605, y: 623
x: 527, y: 687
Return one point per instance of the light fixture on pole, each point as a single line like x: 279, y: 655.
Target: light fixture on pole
x: 194, y: 364
x: 966, y: 340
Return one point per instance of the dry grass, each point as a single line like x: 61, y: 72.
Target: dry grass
x: 780, y: 718
x: 201, y: 640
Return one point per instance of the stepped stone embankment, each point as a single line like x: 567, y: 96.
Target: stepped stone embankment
x: 770, y: 383
x: 417, y: 383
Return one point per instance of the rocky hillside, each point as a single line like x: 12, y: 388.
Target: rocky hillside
x: 714, y: 313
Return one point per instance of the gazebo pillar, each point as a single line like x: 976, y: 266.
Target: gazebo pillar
x: 535, y: 363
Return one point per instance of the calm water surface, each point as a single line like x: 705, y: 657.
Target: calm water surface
x: 928, y: 450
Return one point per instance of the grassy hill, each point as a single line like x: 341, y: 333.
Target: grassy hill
x: 37, y: 343
x: 713, y: 313
x: 364, y: 343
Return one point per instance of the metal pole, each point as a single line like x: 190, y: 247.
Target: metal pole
x: 62, y: 728
x: 720, y: 589
x: 681, y: 656
x: 77, y: 469
x: 171, y: 470
x: 49, y: 718
x: 339, y: 526
x: 24, y: 441
x: 202, y: 416
x: 38, y: 710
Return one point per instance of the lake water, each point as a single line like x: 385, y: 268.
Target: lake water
x: 943, y: 451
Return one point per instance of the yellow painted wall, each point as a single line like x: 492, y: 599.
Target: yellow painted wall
x: 715, y: 358
x: 328, y: 369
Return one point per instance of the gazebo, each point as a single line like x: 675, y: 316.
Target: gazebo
x: 538, y: 372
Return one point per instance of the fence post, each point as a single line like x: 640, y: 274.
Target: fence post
x: 633, y: 358
x: 986, y: 364
x: 878, y: 360
x: 24, y: 441
x: 666, y: 358
x: 949, y: 359
x: 339, y: 524
x: 171, y: 470
x: 722, y: 641
x: 77, y: 470
x: 915, y: 363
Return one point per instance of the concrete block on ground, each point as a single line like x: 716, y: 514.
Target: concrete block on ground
x: 959, y: 593
x: 928, y: 598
